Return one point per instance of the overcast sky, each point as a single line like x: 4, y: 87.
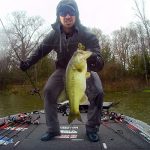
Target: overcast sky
x: 107, y: 15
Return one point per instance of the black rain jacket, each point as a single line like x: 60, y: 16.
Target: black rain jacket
x: 65, y: 47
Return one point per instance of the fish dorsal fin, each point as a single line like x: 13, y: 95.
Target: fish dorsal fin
x: 83, y: 99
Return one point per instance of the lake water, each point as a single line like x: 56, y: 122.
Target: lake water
x: 135, y: 105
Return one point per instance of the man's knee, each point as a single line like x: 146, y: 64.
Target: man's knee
x: 47, y: 91
x: 49, y: 95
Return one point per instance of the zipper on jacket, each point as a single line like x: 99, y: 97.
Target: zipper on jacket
x: 67, y: 41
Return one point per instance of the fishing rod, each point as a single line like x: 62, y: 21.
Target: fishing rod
x: 118, y: 119
x: 5, y: 123
x: 21, y: 129
x: 10, y: 130
x: 17, y: 122
x: 14, y: 127
x: 6, y: 127
x: 119, y: 133
x: 21, y: 126
x: 32, y: 83
x: 2, y: 124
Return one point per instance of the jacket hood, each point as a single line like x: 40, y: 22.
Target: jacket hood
x: 73, y: 4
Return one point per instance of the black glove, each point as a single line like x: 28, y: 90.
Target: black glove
x: 92, y: 62
x: 24, y: 65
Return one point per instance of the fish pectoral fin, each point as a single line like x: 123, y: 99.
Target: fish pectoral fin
x: 62, y: 97
x: 72, y: 117
x: 83, y: 99
x: 79, y: 118
x: 88, y: 74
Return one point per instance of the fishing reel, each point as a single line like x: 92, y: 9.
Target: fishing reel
x: 19, y: 118
x: 34, y: 91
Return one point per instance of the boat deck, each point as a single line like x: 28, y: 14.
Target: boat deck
x: 114, y: 135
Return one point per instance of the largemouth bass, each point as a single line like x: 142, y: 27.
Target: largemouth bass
x: 76, y: 74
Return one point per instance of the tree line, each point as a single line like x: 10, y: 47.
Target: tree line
x: 126, y: 52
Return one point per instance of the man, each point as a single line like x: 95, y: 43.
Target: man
x: 64, y: 38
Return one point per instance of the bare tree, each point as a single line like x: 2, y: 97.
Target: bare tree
x: 143, y: 50
x: 121, y: 46
x: 104, y: 43
x: 140, y: 13
x: 25, y: 33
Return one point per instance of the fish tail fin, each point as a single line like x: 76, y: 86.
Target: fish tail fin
x: 72, y: 117
x: 79, y: 117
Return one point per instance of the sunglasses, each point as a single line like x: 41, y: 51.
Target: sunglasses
x: 67, y: 10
